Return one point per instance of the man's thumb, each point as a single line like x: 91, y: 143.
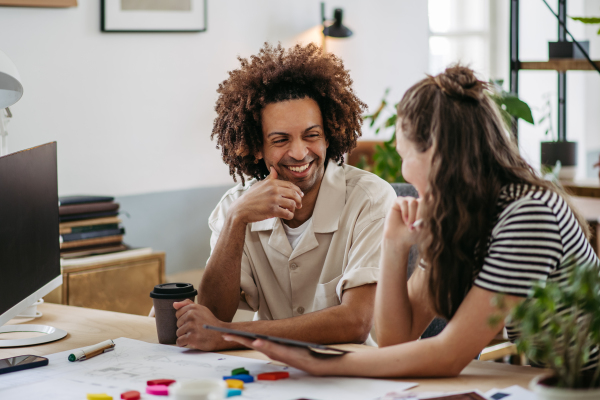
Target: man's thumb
x: 273, y: 174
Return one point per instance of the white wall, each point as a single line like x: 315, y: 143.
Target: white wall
x: 132, y: 113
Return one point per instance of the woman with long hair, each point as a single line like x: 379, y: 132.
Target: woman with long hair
x: 487, y: 224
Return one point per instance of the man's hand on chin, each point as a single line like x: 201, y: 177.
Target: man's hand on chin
x: 190, y: 333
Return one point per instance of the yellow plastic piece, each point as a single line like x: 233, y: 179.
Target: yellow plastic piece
x: 98, y: 396
x: 234, y: 383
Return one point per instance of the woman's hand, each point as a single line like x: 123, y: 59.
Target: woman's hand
x: 398, y: 230
x: 292, y: 356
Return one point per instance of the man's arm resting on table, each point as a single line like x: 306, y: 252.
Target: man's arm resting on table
x: 219, y: 288
x: 349, y: 322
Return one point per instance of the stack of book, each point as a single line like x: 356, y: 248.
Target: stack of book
x: 89, y: 225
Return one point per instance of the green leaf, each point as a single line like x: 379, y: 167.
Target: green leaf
x: 517, y: 108
x: 391, y: 121
x: 587, y: 20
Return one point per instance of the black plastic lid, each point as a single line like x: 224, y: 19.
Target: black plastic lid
x: 173, y: 291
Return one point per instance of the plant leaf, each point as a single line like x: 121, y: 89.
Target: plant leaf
x: 587, y: 20
x: 517, y: 108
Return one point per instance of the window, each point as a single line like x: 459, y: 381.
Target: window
x: 459, y: 32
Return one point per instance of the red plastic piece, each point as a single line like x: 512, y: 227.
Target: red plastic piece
x: 164, y: 382
x: 131, y: 395
x: 158, y: 390
x: 273, y: 376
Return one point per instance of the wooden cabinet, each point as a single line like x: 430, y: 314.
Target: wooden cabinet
x: 121, y: 285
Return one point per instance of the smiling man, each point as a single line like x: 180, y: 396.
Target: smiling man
x: 299, y: 244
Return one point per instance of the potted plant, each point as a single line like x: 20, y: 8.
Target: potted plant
x: 385, y: 161
x: 560, y: 327
x: 557, y: 152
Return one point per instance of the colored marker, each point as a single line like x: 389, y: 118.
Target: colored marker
x: 240, y: 371
x: 234, y: 383
x: 158, y: 390
x: 164, y: 382
x: 86, y: 353
x: 241, y: 377
x: 131, y: 395
x: 273, y: 376
x: 98, y: 396
x: 233, y: 392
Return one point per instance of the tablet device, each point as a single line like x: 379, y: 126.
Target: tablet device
x: 316, y: 349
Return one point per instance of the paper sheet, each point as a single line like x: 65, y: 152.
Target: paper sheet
x: 133, y: 362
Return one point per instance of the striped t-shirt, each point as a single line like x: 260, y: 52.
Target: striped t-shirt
x: 536, y: 238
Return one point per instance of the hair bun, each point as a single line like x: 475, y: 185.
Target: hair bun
x: 460, y: 82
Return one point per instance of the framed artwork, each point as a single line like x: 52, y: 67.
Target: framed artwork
x: 39, y: 3
x: 153, y: 15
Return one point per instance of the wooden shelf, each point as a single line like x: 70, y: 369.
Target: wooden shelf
x: 559, y: 64
x: 587, y: 188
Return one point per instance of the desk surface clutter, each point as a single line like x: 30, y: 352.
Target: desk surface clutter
x: 133, y: 362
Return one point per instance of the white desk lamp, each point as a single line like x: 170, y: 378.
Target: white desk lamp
x: 11, y: 91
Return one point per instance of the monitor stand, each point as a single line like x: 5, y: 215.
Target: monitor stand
x: 51, y: 334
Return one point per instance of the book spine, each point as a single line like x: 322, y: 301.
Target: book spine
x: 77, y: 217
x: 64, y: 201
x: 89, y: 228
x: 87, y: 208
x: 93, y: 234
x: 91, y: 242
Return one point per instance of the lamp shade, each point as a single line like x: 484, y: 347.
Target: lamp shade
x: 337, y: 30
x: 11, y: 88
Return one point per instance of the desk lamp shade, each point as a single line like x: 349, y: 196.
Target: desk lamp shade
x: 337, y: 30
x: 11, y: 89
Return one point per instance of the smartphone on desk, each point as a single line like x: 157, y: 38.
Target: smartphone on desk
x: 21, y: 362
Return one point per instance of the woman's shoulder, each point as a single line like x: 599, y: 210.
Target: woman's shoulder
x: 523, y: 198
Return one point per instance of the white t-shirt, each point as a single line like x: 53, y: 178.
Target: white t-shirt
x: 295, y: 234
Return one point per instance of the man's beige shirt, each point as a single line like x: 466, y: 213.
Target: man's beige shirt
x: 338, y: 251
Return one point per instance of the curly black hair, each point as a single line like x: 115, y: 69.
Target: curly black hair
x: 275, y: 75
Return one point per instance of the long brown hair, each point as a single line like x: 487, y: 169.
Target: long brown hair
x: 473, y: 158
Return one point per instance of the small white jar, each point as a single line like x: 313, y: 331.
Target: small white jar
x: 201, y: 389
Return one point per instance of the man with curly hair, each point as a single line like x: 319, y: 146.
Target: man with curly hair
x: 299, y: 244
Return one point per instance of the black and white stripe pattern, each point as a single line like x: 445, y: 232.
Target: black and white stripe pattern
x: 536, y: 238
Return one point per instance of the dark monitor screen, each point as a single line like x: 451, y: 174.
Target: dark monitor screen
x: 29, y: 238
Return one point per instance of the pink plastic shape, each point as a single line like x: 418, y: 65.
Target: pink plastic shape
x: 158, y: 390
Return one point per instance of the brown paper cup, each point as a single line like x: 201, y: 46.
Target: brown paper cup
x: 166, y: 321
x: 163, y: 296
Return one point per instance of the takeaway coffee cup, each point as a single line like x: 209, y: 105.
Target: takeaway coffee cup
x: 164, y: 296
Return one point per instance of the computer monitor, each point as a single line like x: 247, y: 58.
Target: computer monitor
x: 29, y: 238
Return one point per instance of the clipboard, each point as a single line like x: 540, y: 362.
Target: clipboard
x: 317, y: 350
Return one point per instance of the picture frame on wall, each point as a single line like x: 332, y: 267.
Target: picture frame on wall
x: 153, y: 16
x: 39, y: 3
